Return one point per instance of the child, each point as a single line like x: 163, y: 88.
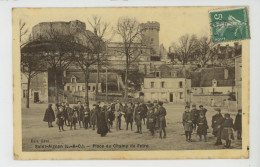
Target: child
x: 238, y: 124
x: 227, y: 133
x: 187, y: 123
x: 202, y: 126
x: 60, y: 118
x: 74, y: 118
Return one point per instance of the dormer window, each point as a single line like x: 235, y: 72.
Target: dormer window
x: 214, y: 83
x: 174, y: 74
x: 73, y: 79
x: 157, y: 74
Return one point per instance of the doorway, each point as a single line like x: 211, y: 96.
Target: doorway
x: 171, y: 97
x: 36, y: 97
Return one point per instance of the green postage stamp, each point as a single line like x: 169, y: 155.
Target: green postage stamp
x: 229, y: 25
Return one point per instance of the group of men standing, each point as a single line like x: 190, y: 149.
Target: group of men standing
x: 222, y: 126
x: 103, y: 115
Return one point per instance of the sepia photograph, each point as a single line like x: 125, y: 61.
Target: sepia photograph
x: 130, y: 83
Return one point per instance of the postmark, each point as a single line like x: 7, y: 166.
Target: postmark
x: 229, y: 25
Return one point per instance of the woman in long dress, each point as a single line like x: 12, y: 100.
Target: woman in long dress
x: 49, y: 116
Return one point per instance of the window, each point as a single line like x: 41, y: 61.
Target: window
x: 173, y: 74
x: 201, y: 90
x: 94, y: 88
x: 88, y: 87
x: 180, y: 84
x: 79, y: 88
x: 152, y: 84
x: 214, y: 83
x: 226, y: 74
x: 68, y: 88
x: 73, y: 80
x: 162, y: 84
x: 181, y: 95
x: 157, y: 74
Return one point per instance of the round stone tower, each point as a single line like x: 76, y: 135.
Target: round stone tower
x: 150, y: 35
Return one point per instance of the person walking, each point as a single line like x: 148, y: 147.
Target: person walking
x: 49, y: 116
x: 187, y: 123
x: 73, y: 118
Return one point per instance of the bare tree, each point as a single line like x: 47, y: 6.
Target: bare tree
x: 129, y: 30
x: 23, y: 31
x: 205, y: 50
x: 185, y: 48
x: 85, y: 60
x: 103, y: 33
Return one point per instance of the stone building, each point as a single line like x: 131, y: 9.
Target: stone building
x: 168, y: 84
x: 238, y: 80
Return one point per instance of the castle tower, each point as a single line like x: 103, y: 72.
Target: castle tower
x: 150, y: 35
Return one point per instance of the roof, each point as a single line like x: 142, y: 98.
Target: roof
x: 80, y: 77
x: 165, y: 72
x: 206, y: 75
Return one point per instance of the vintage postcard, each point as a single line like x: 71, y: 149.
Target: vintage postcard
x: 131, y: 83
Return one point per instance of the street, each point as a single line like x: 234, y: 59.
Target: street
x: 38, y: 137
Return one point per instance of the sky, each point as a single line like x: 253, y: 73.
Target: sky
x: 174, y: 21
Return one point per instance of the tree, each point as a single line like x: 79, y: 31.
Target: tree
x: 23, y: 31
x: 206, y: 50
x: 129, y: 30
x: 185, y: 49
x: 58, y: 50
x: 102, y: 31
x: 85, y: 60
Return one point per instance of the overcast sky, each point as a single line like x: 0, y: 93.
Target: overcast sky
x: 174, y: 21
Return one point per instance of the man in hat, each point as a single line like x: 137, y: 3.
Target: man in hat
x: 202, y: 110
x: 129, y: 113
x: 80, y: 113
x: 144, y: 109
x: 162, y: 122
x: 157, y: 119
x: 138, y: 118
x: 195, y: 115
x: 93, y: 118
x: 217, y: 120
x: 150, y: 118
x: 118, y: 115
x: 187, y: 123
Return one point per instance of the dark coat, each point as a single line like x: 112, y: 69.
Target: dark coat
x: 129, y: 114
x: 216, y: 124
x: 86, y: 115
x: 194, y: 115
x: 150, y: 119
x: 138, y: 115
x: 157, y: 119
x: 80, y: 113
x: 238, y: 122
x: 101, y: 123
x: 226, y: 129
x: 74, y: 116
x: 187, y: 121
x: 49, y: 115
x: 202, y: 126
x: 161, y: 114
x: 60, y: 118
x: 93, y: 118
x: 144, y: 110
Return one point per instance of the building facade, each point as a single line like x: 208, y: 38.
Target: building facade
x: 167, y: 84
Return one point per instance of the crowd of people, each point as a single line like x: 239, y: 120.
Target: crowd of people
x: 104, y: 115
x: 195, y: 120
x: 152, y: 114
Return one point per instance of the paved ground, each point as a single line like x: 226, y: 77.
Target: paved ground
x: 36, y: 134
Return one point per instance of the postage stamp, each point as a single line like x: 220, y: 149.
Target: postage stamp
x: 229, y: 25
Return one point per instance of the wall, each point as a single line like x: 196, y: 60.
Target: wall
x: 171, y: 86
x: 209, y: 90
